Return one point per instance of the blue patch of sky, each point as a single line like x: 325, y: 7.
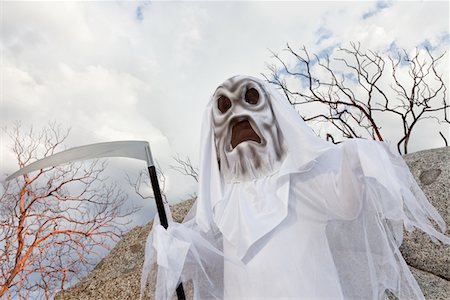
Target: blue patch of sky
x: 393, y: 48
x: 395, y: 52
x: 350, y: 77
x: 379, y: 6
x: 324, y: 53
x: 426, y: 44
x: 300, y: 67
x: 139, y: 14
x: 443, y: 41
x: 383, y: 4
x: 446, y: 38
x: 281, y: 72
x: 323, y: 34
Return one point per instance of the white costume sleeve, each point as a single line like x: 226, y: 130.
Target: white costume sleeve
x: 183, y: 253
x: 370, y: 171
x: 376, y: 198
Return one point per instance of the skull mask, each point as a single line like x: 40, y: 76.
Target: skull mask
x: 248, y: 141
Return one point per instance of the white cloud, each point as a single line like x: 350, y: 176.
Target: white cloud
x: 146, y: 70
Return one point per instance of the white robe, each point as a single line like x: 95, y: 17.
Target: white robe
x: 294, y: 259
x: 327, y: 225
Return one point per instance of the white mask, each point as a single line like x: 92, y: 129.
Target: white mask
x: 248, y: 141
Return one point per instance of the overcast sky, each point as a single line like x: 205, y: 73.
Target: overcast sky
x: 145, y: 70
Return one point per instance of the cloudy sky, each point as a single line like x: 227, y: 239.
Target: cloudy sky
x: 145, y: 70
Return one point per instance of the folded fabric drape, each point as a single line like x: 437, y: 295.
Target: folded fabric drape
x: 319, y: 221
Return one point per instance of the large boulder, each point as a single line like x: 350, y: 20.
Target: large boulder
x: 117, y: 276
x: 431, y: 168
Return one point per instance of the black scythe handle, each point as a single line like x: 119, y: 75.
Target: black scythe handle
x: 162, y: 215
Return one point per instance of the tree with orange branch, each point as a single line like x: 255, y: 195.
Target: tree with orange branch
x: 55, y: 222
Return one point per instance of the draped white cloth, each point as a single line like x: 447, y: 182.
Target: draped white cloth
x: 326, y: 225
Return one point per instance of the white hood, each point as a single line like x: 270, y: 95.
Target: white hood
x: 241, y: 222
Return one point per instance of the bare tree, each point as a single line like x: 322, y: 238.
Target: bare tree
x: 142, y: 184
x: 55, y: 222
x: 352, y: 89
x: 185, y: 167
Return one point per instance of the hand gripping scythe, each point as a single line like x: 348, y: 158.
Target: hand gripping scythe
x: 131, y: 149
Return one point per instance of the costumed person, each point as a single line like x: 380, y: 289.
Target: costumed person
x: 282, y: 213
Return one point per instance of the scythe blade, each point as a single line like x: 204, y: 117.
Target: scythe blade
x: 131, y: 149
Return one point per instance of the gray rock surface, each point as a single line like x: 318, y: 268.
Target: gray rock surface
x: 117, y: 276
x: 431, y: 168
x: 433, y: 287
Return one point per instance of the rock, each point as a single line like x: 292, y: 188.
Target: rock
x: 181, y: 210
x: 433, y: 287
x: 431, y: 168
x: 117, y: 276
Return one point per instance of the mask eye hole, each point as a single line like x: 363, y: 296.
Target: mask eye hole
x: 223, y: 104
x: 252, y: 96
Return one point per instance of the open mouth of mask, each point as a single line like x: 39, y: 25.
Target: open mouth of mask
x: 243, y: 131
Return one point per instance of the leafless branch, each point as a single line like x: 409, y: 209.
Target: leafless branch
x: 54, y: 220
x: 185, y: 167
x: 443, y: 137
x: 349, y: 90
x: 142, y: 182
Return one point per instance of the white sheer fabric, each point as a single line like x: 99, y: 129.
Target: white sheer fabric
x: 326, y: 225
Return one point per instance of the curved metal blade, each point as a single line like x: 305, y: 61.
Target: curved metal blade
x: 131, y: 149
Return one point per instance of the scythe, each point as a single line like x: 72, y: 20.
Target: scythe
x: 130, y: 149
